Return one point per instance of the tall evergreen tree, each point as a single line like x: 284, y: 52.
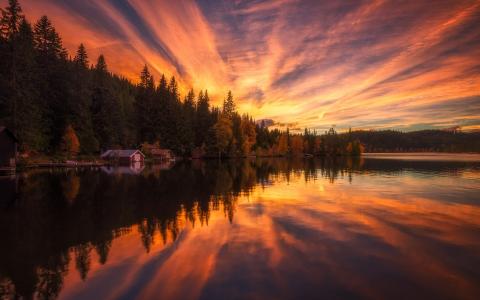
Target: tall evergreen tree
x: 203, y: 119
x: 11, y: 19
x: 54, y: 85
x: 81, y: 103
x: 47, y: 40
x: 160, y: 105
x: 101, y: 67
x: 229, y: 105
x: 171, y: 138
x: 105, y: 108
x: 144, y: 107
x: 81, y: 57
x: 188, y: 122
x: 9, y: 28
x: 29, y: 126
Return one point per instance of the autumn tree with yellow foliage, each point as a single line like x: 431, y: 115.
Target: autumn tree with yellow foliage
x: 70, y: 143
x: 223, y: 133
x: 249, y: 135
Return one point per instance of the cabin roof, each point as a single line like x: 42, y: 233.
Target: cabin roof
x: 121, y: 153
x: 9, y: 133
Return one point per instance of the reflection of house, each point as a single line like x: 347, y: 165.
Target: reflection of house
x: 124, y: 156
x: 8, y: 149
x: 162, y: 154
x: 198, y: 153
x: 133, y: 169
x: 163, y: 165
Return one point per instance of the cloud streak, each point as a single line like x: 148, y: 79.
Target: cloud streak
x: 360, y: 64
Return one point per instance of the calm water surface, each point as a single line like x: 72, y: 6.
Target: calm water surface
x: 374, y: 228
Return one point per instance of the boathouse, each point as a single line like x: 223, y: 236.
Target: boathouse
x: 124, y: 156
x: 8, y: 149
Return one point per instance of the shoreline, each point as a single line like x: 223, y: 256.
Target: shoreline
x: 399, y: 155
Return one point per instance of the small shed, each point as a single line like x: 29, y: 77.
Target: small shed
x: 124, y: 156
x: 162, y: 154
x: 8, y: 149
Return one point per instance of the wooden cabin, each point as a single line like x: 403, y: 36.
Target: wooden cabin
x: 124, y: 156
x: 8, y: 149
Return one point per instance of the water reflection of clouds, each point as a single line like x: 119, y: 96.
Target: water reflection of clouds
x: 337, y: 242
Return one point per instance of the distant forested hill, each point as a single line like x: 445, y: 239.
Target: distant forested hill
x: 418, y: 141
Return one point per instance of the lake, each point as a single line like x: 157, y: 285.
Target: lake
x: 369, y: 228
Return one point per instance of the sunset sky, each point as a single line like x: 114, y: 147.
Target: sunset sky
x: 361, y: 64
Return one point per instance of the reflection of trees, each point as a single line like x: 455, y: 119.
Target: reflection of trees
x: 82, y: 259
x: 61, y: 215
x: 7, y: 288
x: 71, y: 188
x: 103, y: 248
x: 50, y: 276
x: 147, y: 231
x: 309, y: 169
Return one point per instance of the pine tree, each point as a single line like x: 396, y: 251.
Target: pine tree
x: 30, y: 127
x: 81, y: 58
x: 249, y: 135
x: 145, y: 110
x: 81, y: 102
x: 146, y: 79
x: 188, y: 123
x: 105, y: 109
x: 160, y: 104
x: 172, y: 117
x: 54, y: 84
x: 235, y: 145
x: 101, y: 67
x: 173, y: 89
x: 202, y: 119
x: 11, y: 19
x: 229, y: 105
x: 47, y: 40
x: 9, y: 28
